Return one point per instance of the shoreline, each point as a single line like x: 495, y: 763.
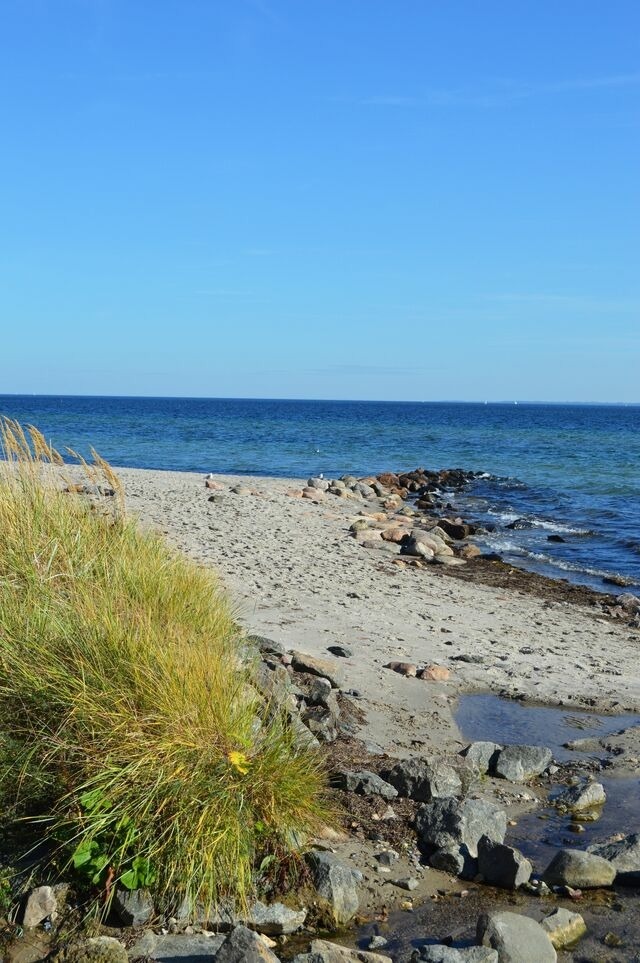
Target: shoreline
x: 295, y: 573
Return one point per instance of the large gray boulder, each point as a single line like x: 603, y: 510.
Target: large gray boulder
x: 364, y: 783
x: 133, y: 907
x: 518, y: 939
x: 275, y: 919
x: 522, y: 763
x: 469, y: 954
x: 564, y: 927
x: 424, y: 780
x: 502, y: 865
x: 581, y: 798
x: 313, y: 665
x: 624, y: 856
x: 335, y: 883
x: 324, y: 952
x: 579, y: 869
x: 177, y: 947
x: 451, y: 830
x: 482, y: 755
x: 242, y: 945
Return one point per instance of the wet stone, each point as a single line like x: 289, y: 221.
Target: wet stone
x: 502, y: 865
x: 517, y: 938
x: 578, y: 799
x: 624, y: 856
x: 564, y: 927
x: 579, y: 869
x: 522, y: 763
x: 483, y: 755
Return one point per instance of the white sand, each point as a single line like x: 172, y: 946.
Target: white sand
x: 297, y: 576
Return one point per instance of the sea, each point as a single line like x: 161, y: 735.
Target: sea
x: 569, y: 472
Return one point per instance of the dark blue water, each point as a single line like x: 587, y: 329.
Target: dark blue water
x: 570, y: 470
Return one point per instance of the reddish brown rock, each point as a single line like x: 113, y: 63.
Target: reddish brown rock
x: 389, y: 479
x: 435, y: 673
x: 395, y: 534
x: 407, y: 669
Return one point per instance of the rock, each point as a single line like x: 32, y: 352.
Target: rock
x: 387, y: 858
x: 620, y: 581
x: 100, y: 949
x: 435, y: 539
x: 394, y: 534
x: 365, y: 490
x: 321, y: 693
x: 324, y: 952
x: 407, y: 882
x: 360, y: 525
x: 341, y: 651
x: 322, y: 722
x: 624, y: 855
x: 41, y: 904
x: 411, y: 546
x: 451, y: 831
x: 267, y: 646
x: 448, y: 560
x: 564, y: 927
x: 521, y: 763
x: 447, y: 954
x: 174, y: 947
x: 577, y: 799
x: 502, y: 865
x: 518, y: 939
x: 320, y: 483
x: 629, y: 602
x: 327, y: 668
x: 455, y: 530
x: 403, y: 668
x: 364, y: 783
x: 435, y: 673
x: 313, y: 494
x: 519, y: 524
x: 376, y: 942
x: 275, y: 919
x: 133, y: 907
x: 483, y: 755
x: 423, y: 780
x: 335, y: 883
x: 578, y: 869
x: 242, y: 945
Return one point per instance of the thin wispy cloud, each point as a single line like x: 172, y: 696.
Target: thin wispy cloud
x: 584, y: 302
x: 500, y: 91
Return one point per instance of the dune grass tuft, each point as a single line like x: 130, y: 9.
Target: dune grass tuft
x: 129, y: 724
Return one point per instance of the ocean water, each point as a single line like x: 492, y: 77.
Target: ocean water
x: 567, y: 470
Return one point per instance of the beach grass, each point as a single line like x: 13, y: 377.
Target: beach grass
x: 132, y: 735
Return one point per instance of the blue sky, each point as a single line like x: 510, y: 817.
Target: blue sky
x: 391, y: 199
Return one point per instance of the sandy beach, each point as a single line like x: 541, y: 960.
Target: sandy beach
x: 297, y: 576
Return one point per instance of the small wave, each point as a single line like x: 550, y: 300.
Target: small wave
x: 508, y: 547
x: 540, y: 523
x: 568, y: 566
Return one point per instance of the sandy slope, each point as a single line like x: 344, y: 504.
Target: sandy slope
x: 297, y: 576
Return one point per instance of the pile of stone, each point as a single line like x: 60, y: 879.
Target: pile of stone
x: 407, y: 513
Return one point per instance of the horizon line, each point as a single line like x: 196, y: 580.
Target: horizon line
x: 378, y: 401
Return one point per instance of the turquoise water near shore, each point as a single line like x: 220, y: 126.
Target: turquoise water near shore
x: 571, y: 471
